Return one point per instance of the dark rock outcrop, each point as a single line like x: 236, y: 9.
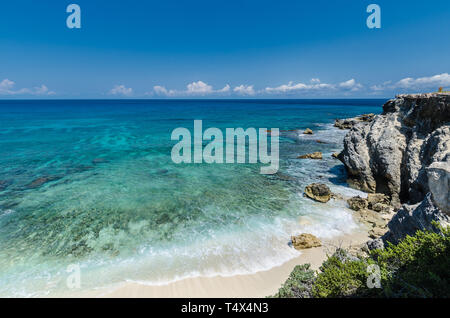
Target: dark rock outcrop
x: 390, y: 152
x: 412, y: 218
x: 319, y: 192
x: 348, y: 123
x: 439, y: 184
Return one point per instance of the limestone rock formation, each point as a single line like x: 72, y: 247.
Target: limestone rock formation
x: 390, y: 152
x: 439, y: 184
x: 348, y: 123
x: 305, y: 240
x: 411, y: 218
x: 357, y: 203
x: 319, y: 192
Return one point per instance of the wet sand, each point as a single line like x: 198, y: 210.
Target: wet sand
x: 260, y: 284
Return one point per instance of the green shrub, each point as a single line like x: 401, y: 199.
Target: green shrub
x: 299, y: 283
x: 342, y: 276
x: 419, y: 266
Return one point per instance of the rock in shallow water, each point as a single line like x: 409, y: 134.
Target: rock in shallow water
x: 304, y: 241
x: 41, y: 181
x: 308, y: 131
x: 315, y: 155
x: 319, y: 192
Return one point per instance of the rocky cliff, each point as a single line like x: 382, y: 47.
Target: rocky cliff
x: 390, y: 153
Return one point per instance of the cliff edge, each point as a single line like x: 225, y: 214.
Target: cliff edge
x: 390, y: 153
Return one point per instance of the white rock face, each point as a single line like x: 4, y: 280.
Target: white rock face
x: 439, y: 184
x: 390, y: 153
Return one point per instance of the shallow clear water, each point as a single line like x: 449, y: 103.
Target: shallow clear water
x: 92, y: 183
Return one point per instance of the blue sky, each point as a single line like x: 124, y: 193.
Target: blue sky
x: 223, y: 49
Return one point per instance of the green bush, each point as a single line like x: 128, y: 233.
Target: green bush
x: 342, y: 276
x: 418, y: 266
x: 299, y: 283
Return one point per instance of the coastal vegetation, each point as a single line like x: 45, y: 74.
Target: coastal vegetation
x: 418, y: 266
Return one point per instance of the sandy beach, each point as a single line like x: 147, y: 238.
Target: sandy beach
x: 260, y: 284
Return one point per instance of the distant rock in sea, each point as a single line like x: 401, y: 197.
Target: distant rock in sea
x: 314, y: 155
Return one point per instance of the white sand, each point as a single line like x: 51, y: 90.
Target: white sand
x: 260, y: 284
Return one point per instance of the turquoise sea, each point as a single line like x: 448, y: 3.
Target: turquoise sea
x: 91, y: 183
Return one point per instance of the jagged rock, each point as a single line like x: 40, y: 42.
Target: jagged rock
x: 348, y: 123
x: 389, y: 153
x: 319, y: 192
x: 308, y: 131
x: 411, y: 218
x: 375, y: 244
x: 357, y: 203
x: 439, y: 184
x: 335, y: 155
x: 377, y: 198
x: 314, y: 155
x: 305, y: 240
x: 380, y: 207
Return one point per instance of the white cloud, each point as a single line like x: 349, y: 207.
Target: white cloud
x: 420, y: 83
x: 121, y: 90
x: 7, y: 88
x: 314, y: 85
x: 425, y: 82
x: 226, y: 89
x: 244, y: 90
x: 350, y: 85
x: 161, y: 90
x: 198, y: 88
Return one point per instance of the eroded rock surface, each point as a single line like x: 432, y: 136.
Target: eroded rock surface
x: 390, y: 152
x: 305, y: 240
x: 439, y: 184
x: 319, y: 192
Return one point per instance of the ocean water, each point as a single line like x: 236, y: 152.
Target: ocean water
x: 91, y: 183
